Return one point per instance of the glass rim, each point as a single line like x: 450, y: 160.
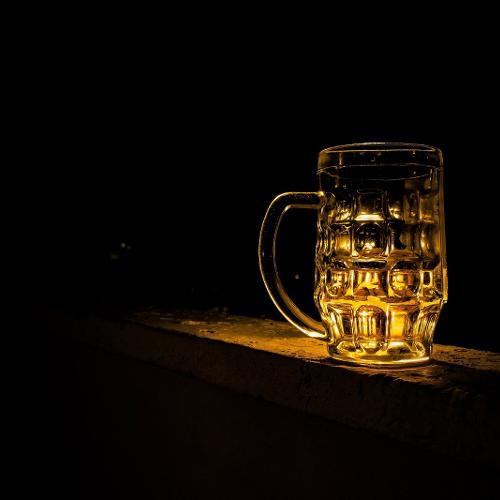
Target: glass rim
x: 357, y: 147
x: 368, y: 154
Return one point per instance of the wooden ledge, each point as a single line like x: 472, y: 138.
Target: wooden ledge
x: 451, y: 406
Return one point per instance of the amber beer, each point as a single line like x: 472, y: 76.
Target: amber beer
x: 380, y: 254
x: 378, y: 259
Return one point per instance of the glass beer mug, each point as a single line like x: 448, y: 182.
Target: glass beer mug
x: 381, y: 276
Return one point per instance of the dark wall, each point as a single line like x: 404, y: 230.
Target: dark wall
x: 150, y: 177
x: 120, y: 428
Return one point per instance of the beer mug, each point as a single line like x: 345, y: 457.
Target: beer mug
x: 381, y: 276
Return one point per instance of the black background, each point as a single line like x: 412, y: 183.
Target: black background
x: 151, y: 167
x: 148, y: 147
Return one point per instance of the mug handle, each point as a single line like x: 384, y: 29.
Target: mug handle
x: 267, y: 259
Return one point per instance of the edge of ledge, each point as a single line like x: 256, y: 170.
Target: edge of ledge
x: 451, y: 406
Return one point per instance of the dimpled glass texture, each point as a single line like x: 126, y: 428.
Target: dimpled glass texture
x: 380, y: 254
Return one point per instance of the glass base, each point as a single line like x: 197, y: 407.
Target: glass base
x: 395, y: 355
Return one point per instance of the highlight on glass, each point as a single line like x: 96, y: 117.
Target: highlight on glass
x: 380, y: 270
